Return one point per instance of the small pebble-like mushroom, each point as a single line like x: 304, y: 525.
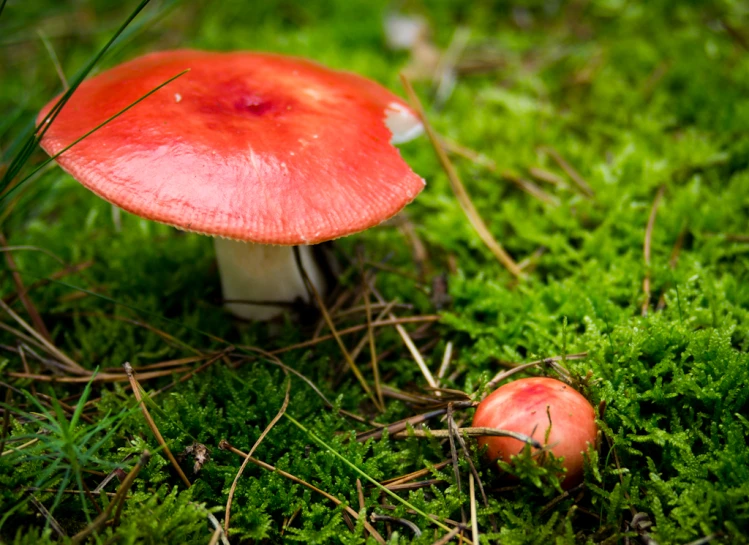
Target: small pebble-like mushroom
x: 525, y: 406
x: 262, y: 151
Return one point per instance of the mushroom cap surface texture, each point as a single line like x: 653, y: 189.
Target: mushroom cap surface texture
x: 521, y: 406
x: 251, y: 146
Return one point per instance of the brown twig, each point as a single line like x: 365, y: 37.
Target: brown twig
x: 499, y: 377
x: 414, y: 485
x: 118, y: 499
x: 357, y: 329
x: 171, y: 339
x: 570, y: 171
x: 474, y: 517
x: 444, y: 540
x: 51, y: 348
x: 36, y: 318
x: 410, y: 345
x: 403, y: 522
x: 399, y: 426
x: 543, y: 175
x: 647, y: 246
x: 151, y: 424
x: 470, y: 432
x: 326, y: 315
x: 736, y: 34
x: 446, y: 359
x: 225, y: 445
x: 523, y: 184
x: 457, y: 186
x: 452, y: 426
x: 252, y: 450
x: 360, y: 495
x: 48, y: 517
x: 414, y: 475
x: 195, y: 371
x: 101, y: 377
x: 167, y: 364
x: 418, y: 250
x: 454, y: 458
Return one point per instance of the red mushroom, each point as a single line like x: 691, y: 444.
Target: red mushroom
x: 521, y: 406
x: 262, y: 151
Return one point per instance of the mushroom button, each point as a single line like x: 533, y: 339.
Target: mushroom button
x: 262, y: 151
x: 545, y: 409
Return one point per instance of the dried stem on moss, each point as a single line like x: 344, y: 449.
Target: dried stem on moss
x: 23, y: 295
x: 326, y: 315
x: 570, y: 171
x: 646, y: 248
x: 71, y: 365
x: 116, y: 501
x: 225, y: 445
x: 524, y: 366
x: 474, y: 516
x: 457, y: 186
x: 470, y: 432
x: 523, y: 184
x: 252, y: 450
x: 152, y: 424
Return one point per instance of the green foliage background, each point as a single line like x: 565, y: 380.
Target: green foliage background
x: 636, y: 95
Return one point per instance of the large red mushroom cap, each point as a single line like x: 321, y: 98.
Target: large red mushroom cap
x: 250, y: 146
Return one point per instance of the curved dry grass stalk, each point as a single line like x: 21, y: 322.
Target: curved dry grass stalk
x: 460, y: 191
x: 356, y: 329
x: 252, y: 450
x: 646, y: 248
x: 72, y: 366
x: 225, y: 445
x: 499, y: 377
x: 326, y: 315
x: 152, y: 424
x: 118, y: 501
x: 470, y: 432
x: 570, y: 171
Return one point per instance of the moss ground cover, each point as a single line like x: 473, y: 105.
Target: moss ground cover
x: 647, y: 102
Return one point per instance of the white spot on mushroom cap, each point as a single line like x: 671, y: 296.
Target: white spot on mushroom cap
x: 403, y: 124
x: 314, y: 93
x: 177, y: 98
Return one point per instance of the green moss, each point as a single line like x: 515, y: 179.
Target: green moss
x: 636, y: 96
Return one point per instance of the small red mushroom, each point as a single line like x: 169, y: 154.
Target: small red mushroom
x: 521, y: 406
x: 262, y: 151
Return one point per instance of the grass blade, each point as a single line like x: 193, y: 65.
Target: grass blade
x: 390, y: 493
x: 89, y: 133
x: 19, y: 160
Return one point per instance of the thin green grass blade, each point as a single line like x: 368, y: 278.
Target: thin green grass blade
x: 20, y: 160
x: 89, y: 133
x: 389, y: 492
x: 47, y: 473
x: 62, y: 420
x: 82, y: 401
x: 82, y: 496
x: 60, y: 491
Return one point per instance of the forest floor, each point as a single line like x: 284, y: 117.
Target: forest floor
x: 604, y: 143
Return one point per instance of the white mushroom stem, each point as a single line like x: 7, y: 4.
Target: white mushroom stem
x: 264, y: 274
